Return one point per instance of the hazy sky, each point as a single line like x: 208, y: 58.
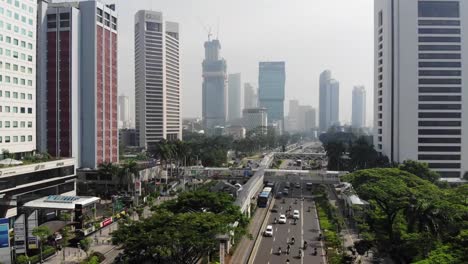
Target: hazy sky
x: 310, y: 35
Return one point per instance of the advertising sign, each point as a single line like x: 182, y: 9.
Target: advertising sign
x: 5, y: 241
x: 32, y: 223
x: 106, y: 222
x: 20, y: 235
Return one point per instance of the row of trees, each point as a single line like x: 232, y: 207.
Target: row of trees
x: 410, y: 219
x: 125, y: 173
x: 183, y: 230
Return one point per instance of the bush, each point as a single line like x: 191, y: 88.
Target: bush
x: 22, y: 259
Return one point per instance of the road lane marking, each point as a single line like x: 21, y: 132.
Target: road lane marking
x: 274, y: 238
x: 271, y: 250
x: 289, y: 230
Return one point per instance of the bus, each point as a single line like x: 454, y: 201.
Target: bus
x: 264, y: 197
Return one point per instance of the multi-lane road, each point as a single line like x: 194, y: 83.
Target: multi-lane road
x: 305, y: 229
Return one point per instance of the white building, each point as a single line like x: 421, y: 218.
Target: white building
x: 124, y: 112
x: 250, y: 96
x: 234, y: 96
x: 157, y: 79
x: 254, y: 118
x: 358, y: 118
x: 18, y: 76
x: 329, y: 101
x: 419, y: 74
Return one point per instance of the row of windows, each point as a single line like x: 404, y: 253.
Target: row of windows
x: 17, y: 16
x: 440, y: 81
x: 439, y: 106
x: 15, y: 67
x: 439, y: 56
x: 439, y: 115
x: 16, y: 29
x: 14, y: 139
x: 444, y: 165
x: 439, y: 73
x: 440, y: 140
x: 14, y: 95
x: 440, y: 98
x: 439, y: 148
x: 449, y: 174
x: 16, y: 42
x: 439, y: 64
x: 438, y: 9
x: 439, y: 157
x: 15, y: 80
x: 16, y: 55
x: 440, y: 47
x: 439, y: 22
x: 440, y: 39
x: 440, y: 123
x: 24, y: 7
x: 439, y: 132
x: 14, y: 109
x: 439, y: 89
x: 14, y: 124
x: 439, y: 31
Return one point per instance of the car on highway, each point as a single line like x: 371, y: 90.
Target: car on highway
x: 298, y: 185
x: 309, y: 186
x: 288, y: 185
x: 285, y: 192
x: 296, y: 214
x: 268, y: 231
x: 279, y: 195
x: 282, y: 219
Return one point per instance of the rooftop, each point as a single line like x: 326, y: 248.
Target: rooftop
x: 61, y: 202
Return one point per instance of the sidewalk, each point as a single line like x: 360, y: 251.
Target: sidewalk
x: 101, y: 241
x: 242, y: 252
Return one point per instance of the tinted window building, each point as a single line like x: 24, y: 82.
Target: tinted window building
x: 271, y: 91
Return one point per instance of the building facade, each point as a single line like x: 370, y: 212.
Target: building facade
x: 18, y: 76
x: 255, y: 118
x: 124, y: 112
x: 250, y: 96
x: 214, y: 90
x: 157, y: 79
x: 329, y: 101
x: 234, y: 96
x: 271, y: 91
x: 418, y: 75
x: 358, y: 119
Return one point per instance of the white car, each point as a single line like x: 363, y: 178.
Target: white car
x: 268, y: 231
x: 282, y: 219
x: 296, y: 214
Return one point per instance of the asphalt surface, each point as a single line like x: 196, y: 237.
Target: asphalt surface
x: 305, y: 229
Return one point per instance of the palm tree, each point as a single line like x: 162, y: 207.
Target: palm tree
x: 335, y: 151
x: 107, y: 170
x: 130, y: 170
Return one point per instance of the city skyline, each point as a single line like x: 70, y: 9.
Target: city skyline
x: 351, y: 63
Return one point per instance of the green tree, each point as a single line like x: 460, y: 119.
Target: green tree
x: 85, y: 244
x: 335, y: 150
x: 362, y: 154
x: 420, y: 169
x: 105, y: 171
x: 42, y: 233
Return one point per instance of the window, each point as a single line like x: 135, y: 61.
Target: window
x: 444, y: 165
x: 439, y: 157
x: 439, y: 22
x: 439, y: 89
x: 440, y: 98
x: 439, y: 64
x: 440, y: 140
x: 439, y: 31
x: 7, y: 124
x: 15, y: 109
x: 29, y: 110
x: 7, y: 94
x: 440, y: 123
x: 29, y: 124
x: 439, y: 106
x: 22, y: 110
x: 380, y: 18
x: 439, y: 132
x: 15, y: 138
x: 15, y: 124
x: 439, y: 115
x: 7, y: 139
x: 22, y: 124
x: 440, y: 47
x: 439, y: 73
x: 438, y: 9
x: 152, y: 26
x: 29, y: 138
x: 449, y: 174
x: 15, y: 95
x: 439, y: 81
x: 29, y: 96
x: 440, y: 39
x: 439, y: 148
x: 23, y: 138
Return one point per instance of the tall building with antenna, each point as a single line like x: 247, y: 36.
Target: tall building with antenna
x: 214, y: 86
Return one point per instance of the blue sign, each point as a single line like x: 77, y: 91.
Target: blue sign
x: 4, y: 236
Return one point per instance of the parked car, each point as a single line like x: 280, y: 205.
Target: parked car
x: 268, y: 231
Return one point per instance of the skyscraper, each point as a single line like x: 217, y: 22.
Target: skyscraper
x: 418, y: 73
x: 214, y: 94
x: 329, y: 101
x: 271, y: 82
x: 250, y: 96
x: 293, y: 116
x: 157, y: 79
x: 18, y: 76
x: 124, y: 112
x: 359, y: 107
x: 234, y: 96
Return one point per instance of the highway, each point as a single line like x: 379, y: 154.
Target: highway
x: 305, y: 229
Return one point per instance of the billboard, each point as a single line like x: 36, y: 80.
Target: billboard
x: 5, y: 241
x: 20, y: 235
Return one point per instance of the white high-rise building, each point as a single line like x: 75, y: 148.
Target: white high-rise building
x: 329, y: 101
x: 250, y: 96
x: 419, y: 72
x: 234, y: 97
x: 358, y: 118
x: 255, y: 118
x: 157, y: 79
x: 124, y: 112
x: 18, y: 76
